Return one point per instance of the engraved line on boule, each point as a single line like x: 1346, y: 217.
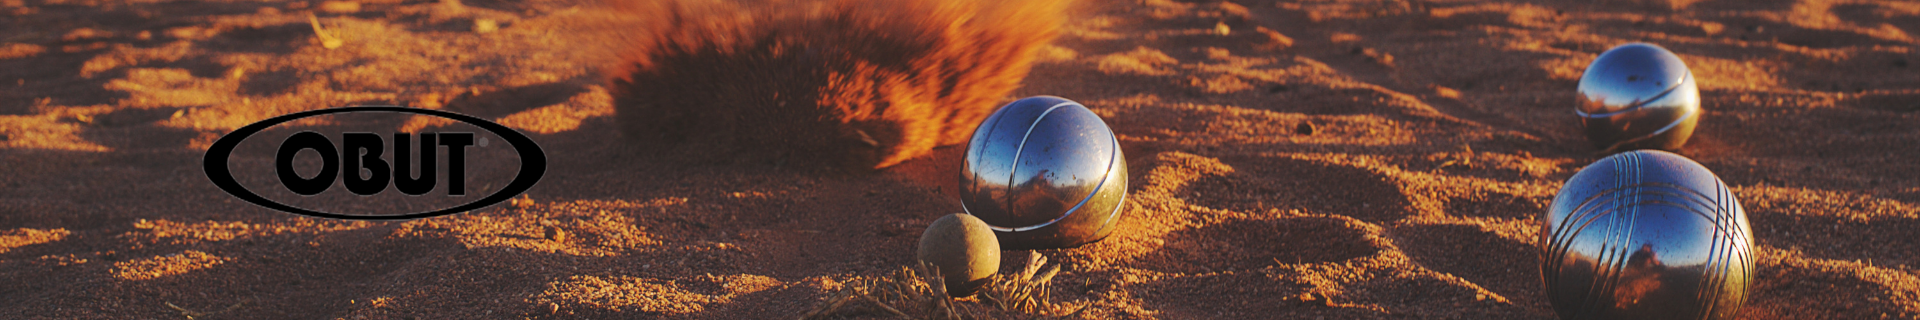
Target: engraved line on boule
x: 1693, y: 197
x: 1103, y: 182
x: 1083, y: 201
x: 1011, y: 172
x: 1625, y: 218
x: 1656, y: 133
x: 1723, y: 257
x: 1587, y: 216
x: 1636, y: 104
x: 1576, y: 221
x: 1688, y: 78
x: 1693, y: 201
x: 1579, y: 220
x: 973, y: 159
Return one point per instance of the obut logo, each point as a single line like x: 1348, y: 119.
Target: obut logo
x: 368, y: 164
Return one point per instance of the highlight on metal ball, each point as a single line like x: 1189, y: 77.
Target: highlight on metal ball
x: 1646, y: 234
x: 1638, y: 96
x: 1044, y: 172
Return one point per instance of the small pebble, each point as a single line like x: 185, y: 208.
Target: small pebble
x: 340, y: 6
x: 485, y: 26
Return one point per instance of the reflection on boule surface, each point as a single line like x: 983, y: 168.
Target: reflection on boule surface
x: 1646, y: 234
x: 1638, y: 96
x: 1044, y: 172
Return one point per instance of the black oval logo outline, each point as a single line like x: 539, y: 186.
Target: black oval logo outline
x: 533, y: 162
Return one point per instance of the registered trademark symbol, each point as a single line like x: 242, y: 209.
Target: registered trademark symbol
x: 483, y: 141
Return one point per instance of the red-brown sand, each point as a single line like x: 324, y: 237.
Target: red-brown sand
x: 1316, y: 159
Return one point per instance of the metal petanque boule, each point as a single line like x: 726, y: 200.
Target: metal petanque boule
x: 1044, y: 172
x: 1638, y: 96
x: 1646, y: 234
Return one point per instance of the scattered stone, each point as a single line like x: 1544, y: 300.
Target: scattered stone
x: 522, y: 202
x: 1377, y: 56
x: 1446, y: 92
x: 340, y: 7
x: 965, y: 250
x: 485, y: 26
x: 84, y: 34
x: 185, y: 33
x: 1275, y: 40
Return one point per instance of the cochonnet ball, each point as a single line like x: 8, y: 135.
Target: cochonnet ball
x: 965, y: 251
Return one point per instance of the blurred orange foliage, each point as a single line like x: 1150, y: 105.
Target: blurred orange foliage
x: 832, y: 82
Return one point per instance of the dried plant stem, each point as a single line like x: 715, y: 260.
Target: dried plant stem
x: 919, y: 292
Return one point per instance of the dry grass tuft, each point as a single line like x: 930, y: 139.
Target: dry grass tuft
x: 910, y: 293
x: 844, y: 83
x: 328, y: 39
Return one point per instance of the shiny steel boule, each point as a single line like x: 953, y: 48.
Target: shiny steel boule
x: 1044, y: 172
x: 1646, y: 234
x: 1638, y: 96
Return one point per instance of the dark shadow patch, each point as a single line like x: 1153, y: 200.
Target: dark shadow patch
x: 1497, y: 264
x: 1488, y: 204
x: 1260, y: 184
x: 1418, y: 297
x: 1241, y: 295
x: 275, y: 39
x: 1460, y: 21
x: 1743, y: 5
x: 1788, y: 292
x: 1577, y: 46
x: 269, y: 83
x: 1254, y: 244
x: 131, y: 129
x: 1775, y: 148
x: 1905, y: 102
x: 1319, y: 100
x: 1874, y: 14
x: 1648, y: 25
x: 125, y: 117
x: 331, y: 268
x: 49, y: 77
x: 501, y: 103
x: 1754, y: 29
x: 1837, y: 238
x: 517, y: 6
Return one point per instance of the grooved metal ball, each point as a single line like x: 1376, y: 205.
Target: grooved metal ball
x: 1646, y: 234
x: 1638, y: 96
x: 1044, y: 172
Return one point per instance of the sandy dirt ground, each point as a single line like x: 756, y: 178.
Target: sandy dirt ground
x: 1338, y: 159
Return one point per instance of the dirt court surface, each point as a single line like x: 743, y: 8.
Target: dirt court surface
x: 1294, y: 160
